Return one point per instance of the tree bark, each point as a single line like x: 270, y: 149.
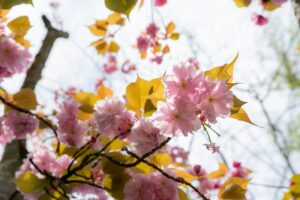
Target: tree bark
x: 16, y: 151
x: 296, y: 6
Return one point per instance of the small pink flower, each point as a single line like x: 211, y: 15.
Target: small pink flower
x: 152, y: 30
x: 111, y: 118
x: 213, y: 147
x: 146, y: 136
x: 178, y: 154
x: 6, y: 135
x: 111, y: 65
x: 259, y: 20
x: 71, y: 132
x: 143, y: 43
x: 215, y: 100
x: 139, y: 187
x: 176, y: 118
x: 14, y: 58
x: 164, y: 188
x: 183, y: 81
x: 160, y: 3
x: 239, y: 170
x: 157, y: 59
x: 21, y: 124
x: 279, y: 2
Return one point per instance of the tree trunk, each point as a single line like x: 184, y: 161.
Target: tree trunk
x: 16, y: 151
x: 296, y: 6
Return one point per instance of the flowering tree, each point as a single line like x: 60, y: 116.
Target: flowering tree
x: 100, y: 146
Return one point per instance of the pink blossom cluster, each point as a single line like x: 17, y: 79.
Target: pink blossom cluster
x: 160, y: 3
x: 239, y: 170
x: 178, y: 154
x: 111, y: 65
x: 191, y: 97
x: 149, y: 40
x: 14, y: 58
x: 205, y: 184
x: 154, y: 186
x: 146, y: 136
x: 71, y: 131
x: 44, y: 159
x: 16, y: 125
x: 111, y: 118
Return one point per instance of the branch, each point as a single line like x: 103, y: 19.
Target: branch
x: 16, y: 151
x: 296, y: 6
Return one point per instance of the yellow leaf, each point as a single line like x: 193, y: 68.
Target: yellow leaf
x: 109, y: 167
x: 3, y: 14
x: 19, y: 26
x: 144, y: 168
x: 114, y: 18
x: 116, y: 184
x: 22, y: 41
x: 104, y: 92
x: 224, y: 72
x: 295, y: 185
x: 83, y: 115
x: 30, y: 183
x: 166, y: 49
x: 26, y: 99
x: 101, y: 46
x: 182, y: 195
x: 185, y: 175
x: 113, y: 47
x: 170, y: 28
x: 141, y: 90
x: 99, y: 28
x: 221, y: 172
x: 242, y: 116
x: 237, y: 104
x: 175, y: 36
x: 242, y: 3
x: 87, y: 101
x: 233, y: 189
x: 161, y: 159
x: 269, y: 6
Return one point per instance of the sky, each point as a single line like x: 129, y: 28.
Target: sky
x: 219, y: 32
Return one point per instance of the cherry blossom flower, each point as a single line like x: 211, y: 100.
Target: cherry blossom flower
x: 259, y: 20
x: 152, y: 30
x: 143, y: 43
x: 160, y: 3
x: 164, y: 188
x: 183, y: 81
x: 139, y: 187
x: 146, y: 136
x: 111, y: 118
x: 157, y: 59
x: 46, y: 160
x: 213, y: 147
x: 178, y: 154
x: 20, y: 124
x: 152, y: 187
x: 14, y: 58
x: 279, y: 2
x: 71, y: 132
x: 216, y: 100
x: 176, y: 118
x: 111, y: 65
x: 6, y: 135
x: 239, y: 170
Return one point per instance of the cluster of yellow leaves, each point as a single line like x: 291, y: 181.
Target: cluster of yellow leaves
x: 225, y: 72
x: 267, y: 5
x: 101, y: 29
x: 294, y: 193
x: 142, y: 95
x: 87, y: 101
x: 159, y: 48
x: 233, y: 189
x: 19, y: 27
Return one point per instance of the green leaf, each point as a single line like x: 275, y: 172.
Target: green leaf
x: 8, y: 4
x: 116, y: 184
x: 121, y: 6
x: 26, y: 99
x: 109, y: 167
x: 30, y: 183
